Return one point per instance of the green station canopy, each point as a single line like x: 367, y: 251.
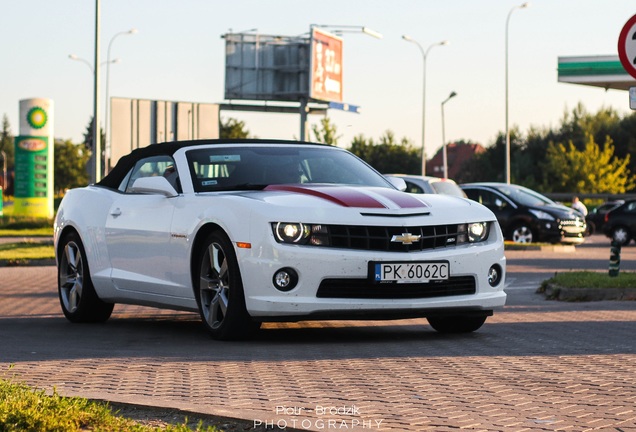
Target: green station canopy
x: 599, y: 71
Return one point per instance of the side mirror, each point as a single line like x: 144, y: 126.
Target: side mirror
x: 397, y: 183
x: 153, y: 185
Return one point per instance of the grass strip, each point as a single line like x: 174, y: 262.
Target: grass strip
x: 24, y: 409
x: 587, y: 279
x: 26, y: 251
x: 27, y: 232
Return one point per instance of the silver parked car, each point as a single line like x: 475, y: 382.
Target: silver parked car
x: 429, y: 185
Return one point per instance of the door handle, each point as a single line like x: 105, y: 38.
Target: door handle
x: 115, y: 212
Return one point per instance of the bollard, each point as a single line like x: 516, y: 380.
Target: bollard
x: 615, y: 259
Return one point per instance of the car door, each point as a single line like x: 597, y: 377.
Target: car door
x: 503, y: 209
x: 138, y: 233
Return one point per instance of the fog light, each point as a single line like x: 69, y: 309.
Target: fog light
x: 285, y: 279
x: 495, y: 273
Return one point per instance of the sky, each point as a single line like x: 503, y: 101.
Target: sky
x: 178, y: 55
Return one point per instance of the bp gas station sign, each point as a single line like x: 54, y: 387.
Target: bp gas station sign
x: 34, y: 159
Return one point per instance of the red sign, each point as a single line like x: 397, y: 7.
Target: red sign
x: 326, y: 67
x: 627, y: 46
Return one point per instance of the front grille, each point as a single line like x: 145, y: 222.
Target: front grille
x: 363, y: 289
x: 572, y: 227
x: 379, y: 238
x: 572, y: 222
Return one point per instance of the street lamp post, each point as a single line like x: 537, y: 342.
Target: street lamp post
x: 4, y: 174
x: 452, y: 95
x: 89, y: 64
x: 340, y: 29
x: 424, y: 56
x: 107, y: 105
x: 521, y: 6
x: 96, y: 157
x: 79, y: 59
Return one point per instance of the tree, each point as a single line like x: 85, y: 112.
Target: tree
x: 388, y: 156
x: 88, y: 143
x: 327, y: 133
x: 7, y: 152
x: 88, y: 136
x: 233, y: 129
x: 70, y: 165
x: 491, y: 164
x: 591, y: 170
x: 6, y: 142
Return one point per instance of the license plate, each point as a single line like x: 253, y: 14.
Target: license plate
x: 409, y: 272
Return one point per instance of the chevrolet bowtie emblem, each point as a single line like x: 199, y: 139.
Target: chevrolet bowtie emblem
x: 406, y: 238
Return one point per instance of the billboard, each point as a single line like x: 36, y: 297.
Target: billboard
x: 268, y: 68
x: 326, y: 66
x: 138, y: 123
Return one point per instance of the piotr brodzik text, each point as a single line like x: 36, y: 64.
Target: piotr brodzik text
x: 320, y: 417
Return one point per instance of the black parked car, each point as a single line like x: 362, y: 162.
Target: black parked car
x: 620, y: 223
x: 526, y: 216
x: 596, y: 218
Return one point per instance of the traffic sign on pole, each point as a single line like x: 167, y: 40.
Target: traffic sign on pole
x: 627, y: 46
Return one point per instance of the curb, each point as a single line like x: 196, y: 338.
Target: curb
x: 556, y: 292
x: 542, y: 248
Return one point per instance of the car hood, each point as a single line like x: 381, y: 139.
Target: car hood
x: 559, y: 211
x: 348, y: 203
x: 347, y: 196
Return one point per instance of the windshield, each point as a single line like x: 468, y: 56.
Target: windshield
x: 523, y: 196
x: 255, y: 167
x: 448, y: 188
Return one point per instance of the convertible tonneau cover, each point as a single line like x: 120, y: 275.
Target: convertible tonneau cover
x: 117, y: 174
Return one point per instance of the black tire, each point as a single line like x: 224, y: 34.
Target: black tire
x: 590, y: 228
x: 456, y: 323
x: 79, y: 301
x: 219, y: 290
x: 522, y: 233
x: 621, y: 235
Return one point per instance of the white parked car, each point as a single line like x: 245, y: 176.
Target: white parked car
x: 249, y: 231
x: 430, y: 185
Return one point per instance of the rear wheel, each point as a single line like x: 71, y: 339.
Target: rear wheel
x: 456, y: 323
x: 78, y: 298
x: 621, y: 235
x: 220, y: 293
x: 522, y: 233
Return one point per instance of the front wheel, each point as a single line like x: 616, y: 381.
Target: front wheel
x: 457, y: 323
x: 219, y: 293
x: 522, y: 233
x: 78, y: 298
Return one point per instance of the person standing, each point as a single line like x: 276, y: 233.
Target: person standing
x: 579, y: 206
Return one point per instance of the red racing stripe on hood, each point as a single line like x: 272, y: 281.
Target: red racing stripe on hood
x: 402, y: 199
x: 352, y: 197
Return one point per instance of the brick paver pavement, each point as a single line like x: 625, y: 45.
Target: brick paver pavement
x: 535, y: 366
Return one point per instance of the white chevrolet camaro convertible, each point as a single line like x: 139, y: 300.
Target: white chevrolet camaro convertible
x: 250, y: 231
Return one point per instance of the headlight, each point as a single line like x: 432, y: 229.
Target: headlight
x: 542, y: 215
x: 300, y: 233
x: 472, y: 232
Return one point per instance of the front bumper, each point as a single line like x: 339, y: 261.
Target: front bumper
x: 566, y: 231
x: 317, y: 266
